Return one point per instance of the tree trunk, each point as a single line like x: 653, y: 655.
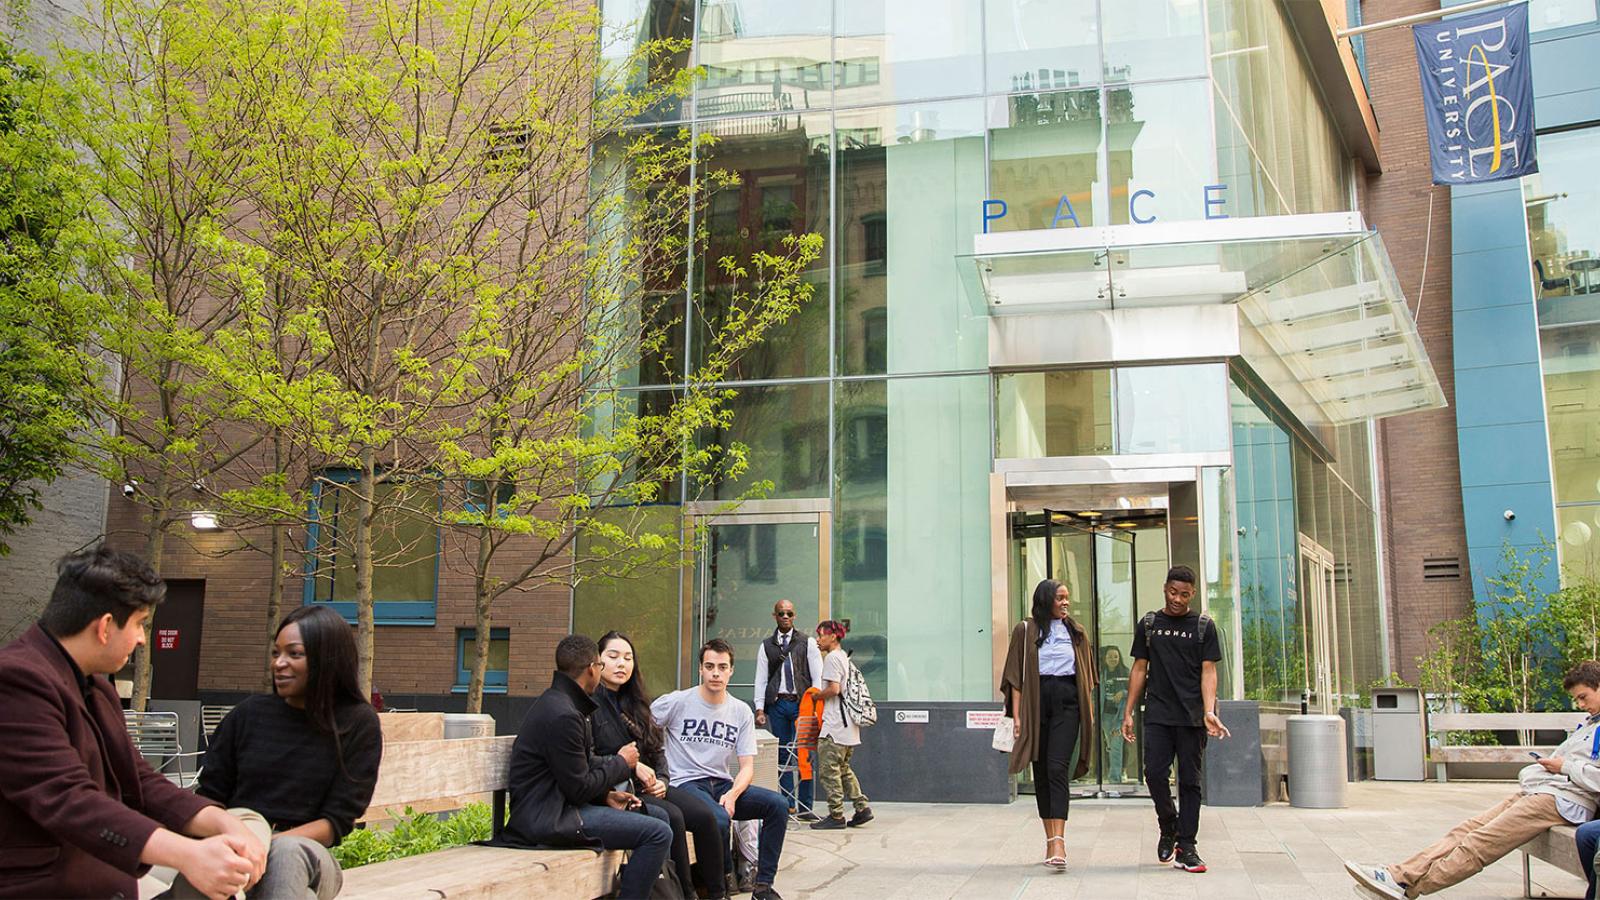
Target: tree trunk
x: 155, y: 539
x: 482, y: 600
x: 366, y: 491
x: 274, y: 598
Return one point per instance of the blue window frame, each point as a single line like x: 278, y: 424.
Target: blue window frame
x: 405, y: 589
x: 494, y: 678
x: 478, y: 497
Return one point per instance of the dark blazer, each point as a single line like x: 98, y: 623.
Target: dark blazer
x: 77, y: 804
x: 554, y: 770
x: 612, y: 732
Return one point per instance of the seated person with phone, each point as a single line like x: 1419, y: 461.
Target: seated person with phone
x: 1561, y: 788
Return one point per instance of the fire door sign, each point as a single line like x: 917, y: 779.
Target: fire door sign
x: 166, y: 638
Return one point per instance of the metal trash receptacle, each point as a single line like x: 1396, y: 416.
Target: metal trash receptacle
x: 1317, y: 766
x: 1399, y: 735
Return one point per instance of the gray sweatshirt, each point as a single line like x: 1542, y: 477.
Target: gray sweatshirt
x: 1579, y: 780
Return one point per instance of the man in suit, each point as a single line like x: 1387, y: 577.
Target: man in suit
x: 787, y: 663
x: 81, y: 813
x: 561, y: 793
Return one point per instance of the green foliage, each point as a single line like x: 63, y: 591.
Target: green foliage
x: 50, y: 379
x: 413, y: 834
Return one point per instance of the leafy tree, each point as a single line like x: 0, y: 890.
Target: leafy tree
x: 51, y: 382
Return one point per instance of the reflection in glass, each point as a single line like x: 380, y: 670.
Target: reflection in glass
x: 1040, y: 45
x: 763, y: 56
x: 1059, y: 413
x: 1547, y: 15
x: 893, y: 50
x: 1264, y: 502
x: 781, y: 433
x: 1159, y: 153
x: 1219, y: 567
x: 1150, y: 39
x: 1172, y: 409
x: 743, y: 571
x: 1579, y: 530
x: 628, y: 64
x: 928, y: 637
x: 901, y: 306
x: 643, y: 603
x: 1044, y: 158
x: 765, y: 179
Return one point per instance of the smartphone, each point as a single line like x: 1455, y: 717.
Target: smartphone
x: 1534, y: 755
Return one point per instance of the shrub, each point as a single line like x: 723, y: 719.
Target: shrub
x: 414, y: 833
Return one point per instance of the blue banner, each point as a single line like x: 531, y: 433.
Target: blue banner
x: 1477, y: 91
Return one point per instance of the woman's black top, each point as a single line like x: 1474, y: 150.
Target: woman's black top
x: 1115, y: 689
x: 612, y: 731
x: 268, y: 756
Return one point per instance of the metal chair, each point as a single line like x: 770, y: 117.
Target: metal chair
x: 155, y: 736
x: 211, y: 717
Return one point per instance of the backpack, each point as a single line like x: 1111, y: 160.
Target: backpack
x: 855, y: 701
x: 1199, y: 632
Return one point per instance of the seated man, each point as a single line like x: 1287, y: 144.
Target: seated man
x: 561, y: 793
x: 1588, y: 838
x: 81, y: 813
x: 1557, y: 789
x: 706, y: 729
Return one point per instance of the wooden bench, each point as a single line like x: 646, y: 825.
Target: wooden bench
x: 1442, y: 723
x: 429, y: 771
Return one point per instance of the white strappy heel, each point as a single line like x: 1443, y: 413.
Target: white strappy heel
x: 1059, y: 863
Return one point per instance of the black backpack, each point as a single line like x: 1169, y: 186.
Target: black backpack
x: 1149, y: 622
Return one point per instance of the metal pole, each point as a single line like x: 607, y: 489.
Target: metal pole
x: 1420, y: 17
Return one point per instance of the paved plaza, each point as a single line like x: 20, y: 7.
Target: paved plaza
x: 1276, y: 852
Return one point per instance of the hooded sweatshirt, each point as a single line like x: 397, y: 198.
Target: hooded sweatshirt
x: 1579, y: 781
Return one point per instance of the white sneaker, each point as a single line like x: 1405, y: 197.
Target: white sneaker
x: 1375, y: 879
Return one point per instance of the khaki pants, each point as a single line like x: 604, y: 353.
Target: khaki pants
x: 1477, y: 842
x: 838, y: 779
x: 297, y: 869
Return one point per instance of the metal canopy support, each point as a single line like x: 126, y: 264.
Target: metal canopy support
x: 1422, y: 17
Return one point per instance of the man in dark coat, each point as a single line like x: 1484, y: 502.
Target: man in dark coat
x: 81, y: 813
x: 562, y: 794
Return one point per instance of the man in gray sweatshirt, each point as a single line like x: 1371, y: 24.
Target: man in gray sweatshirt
x: 1558, y: 789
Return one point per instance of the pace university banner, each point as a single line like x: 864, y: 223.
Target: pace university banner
x: 1477, y: 92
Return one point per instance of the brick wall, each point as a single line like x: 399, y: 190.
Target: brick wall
x: 1417, y: 457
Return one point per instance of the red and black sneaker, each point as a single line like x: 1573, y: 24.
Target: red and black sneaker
x: 1188, y: 860
x: 1165, y: 846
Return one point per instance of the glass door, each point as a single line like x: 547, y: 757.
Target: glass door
x: 747, y: 564
x: 1319, y: 628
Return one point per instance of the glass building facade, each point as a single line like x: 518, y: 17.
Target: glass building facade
x: 923, y: 476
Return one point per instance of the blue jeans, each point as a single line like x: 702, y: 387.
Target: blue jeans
x: 781, y: 716
x: 1588, y: 842
x: 645, y: 833
x: 754, y: 803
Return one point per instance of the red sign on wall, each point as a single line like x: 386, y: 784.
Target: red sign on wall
x: 166, y: 638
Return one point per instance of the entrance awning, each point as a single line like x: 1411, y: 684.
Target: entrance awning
x: 1316, y: 291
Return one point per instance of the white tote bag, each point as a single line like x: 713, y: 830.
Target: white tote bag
x: 1005, y: 734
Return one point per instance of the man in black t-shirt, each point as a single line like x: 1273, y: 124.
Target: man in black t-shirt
x: 1175, y: 654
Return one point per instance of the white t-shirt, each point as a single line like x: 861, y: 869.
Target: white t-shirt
x: 704, y: 740
x: 835, y: 668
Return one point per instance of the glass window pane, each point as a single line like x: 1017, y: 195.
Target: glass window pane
x: 1038, y: 45
x: 405, y: 545
x: 893, y: 50
x: 1579, y: 527
x: 928, y: 639
x: 764, y: 56
x: 1172, y: 409
x: 1159, y: 153
x: 764, y: 179
x: 1044, y: 160
x: 635, y: 591
x: 1217, y: 542
x: 1264, y: 499
x: 781, y: 432
x: 629, y: 59
x: 1545, y: 15
x: 1062, y: 413
x: 745, y: 570
x: 1149, y: 39
x: 901, y: 305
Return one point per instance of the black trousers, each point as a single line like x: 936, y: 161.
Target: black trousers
x: 1058, y: 738
x: 689, y: 816
x: 1163, y: 743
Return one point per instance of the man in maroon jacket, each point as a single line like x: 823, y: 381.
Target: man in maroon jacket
x: 82, y: 814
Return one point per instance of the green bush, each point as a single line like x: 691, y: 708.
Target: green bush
x: 414, y: 833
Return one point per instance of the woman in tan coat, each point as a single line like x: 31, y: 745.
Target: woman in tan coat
x: 1048, y: 685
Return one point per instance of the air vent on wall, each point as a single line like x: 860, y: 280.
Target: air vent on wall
x: 1441, y: 568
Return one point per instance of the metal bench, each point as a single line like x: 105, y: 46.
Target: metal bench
x: 211, y: 717
x: 1524, y: 723
x: 155, y: 737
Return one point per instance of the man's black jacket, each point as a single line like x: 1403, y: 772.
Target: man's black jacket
x: 553, y: 771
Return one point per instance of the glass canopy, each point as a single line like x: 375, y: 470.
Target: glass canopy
x: 1317, y: 290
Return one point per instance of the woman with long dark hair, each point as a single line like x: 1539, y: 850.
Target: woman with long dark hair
x: 622, y: 716
x: 1048, y: 685
x: 1116, y: 673
x: 304, y: 757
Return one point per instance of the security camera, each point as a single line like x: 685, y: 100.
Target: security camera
x: 1509, y: 514
x: 128, y: 489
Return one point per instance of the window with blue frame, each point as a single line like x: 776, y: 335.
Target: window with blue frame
x: 494, y: 678
x: 478, y: 497
x: 405, y: 537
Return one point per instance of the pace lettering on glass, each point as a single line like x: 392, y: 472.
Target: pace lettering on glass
x: 1211, y: 204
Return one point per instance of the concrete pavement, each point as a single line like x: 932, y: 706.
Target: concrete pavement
x: 924, y: 852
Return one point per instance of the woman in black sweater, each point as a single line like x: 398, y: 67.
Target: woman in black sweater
x: 305, y: 757
x: 623, y: 716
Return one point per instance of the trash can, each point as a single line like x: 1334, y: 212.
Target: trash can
x: 1399, y: 735
x: 1316, y: 762
x: 468, y: 725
